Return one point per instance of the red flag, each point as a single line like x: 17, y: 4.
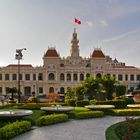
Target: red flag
x: 77, y: 21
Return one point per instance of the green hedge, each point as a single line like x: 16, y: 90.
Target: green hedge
x: 117, y: 103
x: 89, y: 114
x: 82, y: 103
x: 126, y: 112
x: 51, y: 119
x: 14, y: 129
x: 71, y: 102
x: 33, y: 105
x: 110, y: 132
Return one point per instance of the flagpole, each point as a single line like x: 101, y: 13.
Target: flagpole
x: 74, y: 25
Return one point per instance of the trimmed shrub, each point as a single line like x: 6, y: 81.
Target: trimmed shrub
x: 82, y: 103
x: 71, y: 102
x: 51, y: 119
x: 126, y: 112
x: 33, y: 117
x: 110, y: 132
x: 13, y: 129
x: 89, y: 114
x: 72, y: 114
x: 33, y: 105
x: 129, y: 101
x: 116, y: 103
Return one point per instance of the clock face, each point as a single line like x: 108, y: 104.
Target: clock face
x: 74, y: 61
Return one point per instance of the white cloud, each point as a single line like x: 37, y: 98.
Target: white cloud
x: 89, y: 23
x: 104, y: 23
x: 122, y: 35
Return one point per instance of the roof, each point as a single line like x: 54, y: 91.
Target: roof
x: 97, y: 53
x: 51, y: 52
x: 124, y: 67
x: 21, y: 65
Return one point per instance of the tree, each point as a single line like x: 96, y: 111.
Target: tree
x: 91, y: 87
x: 12, y: 91
x: 79, y: 92
x: 109, y: 86
x: 69, y: 93
x: 120, y: 90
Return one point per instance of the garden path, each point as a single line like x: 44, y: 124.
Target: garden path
x: 87, y: 129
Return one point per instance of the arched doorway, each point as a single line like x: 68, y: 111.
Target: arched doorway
x: 98, y: 75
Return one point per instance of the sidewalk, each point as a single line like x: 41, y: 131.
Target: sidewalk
x: 88, y: 129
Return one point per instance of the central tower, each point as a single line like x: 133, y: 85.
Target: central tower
x: 74, y: 46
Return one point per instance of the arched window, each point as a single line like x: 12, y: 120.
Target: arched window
x: 51, y: 76
x: 98, y: 75
x: 62, y: 90
x: 87, y: 75
x: 68, y: 77
x: 75, y: 77
x: 81, y: 77
x: 62, y: 77
x: 51, y: 90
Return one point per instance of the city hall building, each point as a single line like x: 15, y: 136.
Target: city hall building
x: 57, y: 73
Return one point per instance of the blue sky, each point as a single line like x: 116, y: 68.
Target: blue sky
x: 112, y: 25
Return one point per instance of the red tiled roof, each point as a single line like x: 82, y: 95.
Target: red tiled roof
x: 51, y: 53
x: 97, y: 53
x: 124, y: 67
x: 21, y: 65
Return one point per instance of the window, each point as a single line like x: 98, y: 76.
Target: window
x: 14, y: 76
x: 98, y: 75
x: 51, y: 90
x: 114, y: 75
x: 6, y: 76
x: 138, y: 77
x: 51, y: 76
x: 108, y: 75
x: 87, y: 75
x: 34, y: 76
x: 62, y: 77
x: 75, y: 78
x: 0, y: 76
x: 20, y: 76
x: 41, y: 90
x: 68, y: 77
x: 62, y: 90
x: 0, y: 90
x: 126, y: 77
x: 40, y: 76
x: 61, y: 65
x: 81, y: 77
x: 27, y: 76
x: 6, y: 89
x: 131, y: 77
x: 120, y: 77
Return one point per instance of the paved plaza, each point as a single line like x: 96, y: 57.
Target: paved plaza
x: 86, y: 129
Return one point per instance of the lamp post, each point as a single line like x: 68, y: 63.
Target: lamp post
x: 19, y: 56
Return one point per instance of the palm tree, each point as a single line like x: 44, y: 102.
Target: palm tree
x: 12, y: 91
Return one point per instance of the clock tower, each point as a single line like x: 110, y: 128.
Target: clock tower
x: 74, y: 46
